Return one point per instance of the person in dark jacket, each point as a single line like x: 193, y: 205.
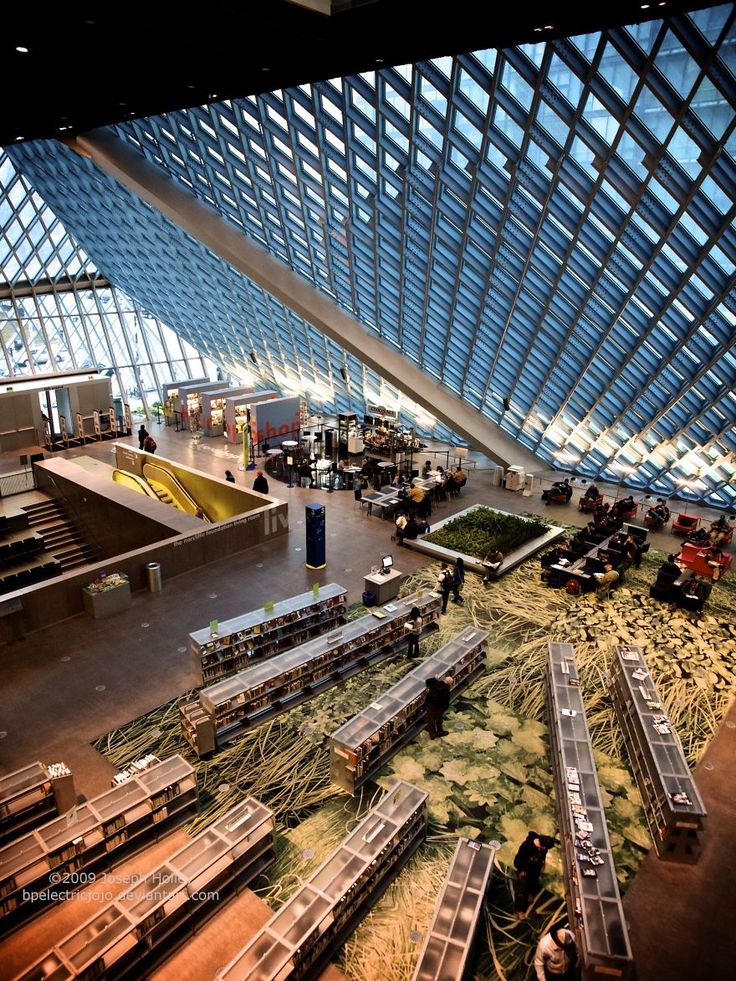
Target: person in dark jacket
x: 458, y: 580
x: 229, y: 477
x: 444, y: 585
x: 529, y: 863
x: 413, y: 627
x: 667, y: 574
x: 142, y: 433
x: 436, y: 703
x: 260, y: 484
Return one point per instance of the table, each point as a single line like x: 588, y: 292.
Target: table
x: 273, y: 452
x: 385, y: 502
x: 384, y: 587
x: 289, y: 445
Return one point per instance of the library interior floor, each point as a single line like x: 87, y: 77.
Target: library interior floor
x: 98, y: 693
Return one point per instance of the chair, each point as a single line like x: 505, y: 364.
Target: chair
x: 685, y: 524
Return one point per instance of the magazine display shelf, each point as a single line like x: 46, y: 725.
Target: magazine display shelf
x: 673, y: 807
x: 361, y: 746
x: 593, y: 901
x: 265, y: 633
x: 299, y: 939
x: 123, y: 818
x: 449, y: 940
x: 223, y: 711
x: 33, y: 795
x: 149, y: 918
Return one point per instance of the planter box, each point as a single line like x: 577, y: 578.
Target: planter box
x: 107, y: 602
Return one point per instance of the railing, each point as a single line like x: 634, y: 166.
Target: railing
x: 17, y: 482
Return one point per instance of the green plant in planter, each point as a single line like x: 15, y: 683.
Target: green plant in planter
x: 481, y: 529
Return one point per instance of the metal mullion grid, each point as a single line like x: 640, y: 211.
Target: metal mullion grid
x: 39, y: 313
x: 133, y: 361
x: 144, y: 335
x: 350, y: 152
x: 574, y: 236
x: 63, y: 322
x: 642, y: 273
x: 22, y: 333
x: 269, y: 164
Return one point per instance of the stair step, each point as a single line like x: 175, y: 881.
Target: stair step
x: 72, y: 553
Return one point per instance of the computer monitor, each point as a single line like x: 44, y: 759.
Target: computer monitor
x: 386, y: 563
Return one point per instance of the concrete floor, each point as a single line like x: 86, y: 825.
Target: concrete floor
x: 68, y: 684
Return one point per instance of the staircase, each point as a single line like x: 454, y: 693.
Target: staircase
x: 60, y: 537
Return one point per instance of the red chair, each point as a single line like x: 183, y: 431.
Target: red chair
x: 589, y: 504
x: 685, y: 524
x: 629, y: 515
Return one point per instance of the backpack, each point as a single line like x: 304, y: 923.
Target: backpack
x: 150, y: 444
x: 572, y: 586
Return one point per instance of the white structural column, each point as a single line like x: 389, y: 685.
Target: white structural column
x: 203, y: 223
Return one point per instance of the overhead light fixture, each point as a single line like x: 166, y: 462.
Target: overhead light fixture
x: 18, y: 138
x: 21, y: 49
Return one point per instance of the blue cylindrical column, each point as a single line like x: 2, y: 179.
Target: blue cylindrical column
x: 315, y: 531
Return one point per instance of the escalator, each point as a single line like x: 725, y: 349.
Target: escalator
x: 165, y: 484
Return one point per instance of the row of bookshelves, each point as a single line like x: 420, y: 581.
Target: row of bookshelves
x: 223, y: 710
x: 149, y: 918
x: 363, y: 744
x: 298, y: 940
x: 449, y: 939
x: 594, y: 904
x: 32, y: 795
x: 34, y: 867
x: 672, y: 805
x: 263, y: 633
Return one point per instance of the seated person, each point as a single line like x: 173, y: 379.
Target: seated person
x: 411, y: 529
x: 714, y: 558
x: 400, y: 522
x: 607, y: 579
x: 600, y: 515
x: 625, y: 506
x: 721, y: 524
x: 633, y: 551
x: 592, y: 493
x: 427, y: 469
x: 554, y: 555
x: 694, y: 593
x: 461, y: 478
x: 451, y: 485
x: 667, y: 574
x: 417, y: 494
x: 560, y: 489
x: 422, y: 525
x: 492, y: 562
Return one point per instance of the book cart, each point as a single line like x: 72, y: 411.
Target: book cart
x: 264, y: 633
x: 223, y: 711
x: 32, y: 795
x: 593, y: 901
x: 298, y: 939
x: 362, y: 745
x: 149, y: 918
x: 673, y: 807
x: 124, y: 818
x: 449, y: 939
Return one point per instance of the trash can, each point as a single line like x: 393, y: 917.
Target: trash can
x: 153, y: 571
x: 369, y: 599
x: 497, y: 477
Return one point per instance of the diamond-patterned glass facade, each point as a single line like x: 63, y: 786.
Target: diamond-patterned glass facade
x: 58, y: 314
x: 551, y: 224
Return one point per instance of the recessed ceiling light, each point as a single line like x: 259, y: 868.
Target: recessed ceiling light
x: 18, y: 138
x: 645, y: 6
x: 265, y: 69
x: 21, y: 49
x: 379, y: 61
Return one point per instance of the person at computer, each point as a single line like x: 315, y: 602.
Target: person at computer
x: 693, y: 594
x: 606, y: 580
x: 592, y: 493
x: 658, y: 516
x: 560, y: 488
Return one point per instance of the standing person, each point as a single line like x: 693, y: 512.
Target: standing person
x: 529, y: 863
x: 142, y: 433
x: 305, y: 474
x: 436, y: 702
x: 414, y: 627
x: 556, y: 955
x: 444, y: 585
x: 149, y: 444
x: 260, y: 484
x: 458, y: 580
x: 229, y: 477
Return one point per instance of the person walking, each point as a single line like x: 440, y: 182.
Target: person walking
x: 556, y: 956
x: 436, y: 702
x: 142, y: 434
x: 529, y: 863
x: 229, y: 477
x: 260, y: 484
x: 444, y: 585
x: 458, y: 580
x: 414, y: 627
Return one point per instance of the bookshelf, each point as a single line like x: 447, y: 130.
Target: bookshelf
x: 673, y: 807
x: 32, y: 795
x: 449, y: 940
x: 265, y: 633
x: 228, y: 708
x: 361, y: 746
x: 593, y: 901
x: 152, y: 916
x: 299, y: 939
x: 35, y: 867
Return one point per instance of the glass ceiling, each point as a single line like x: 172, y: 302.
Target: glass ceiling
x: 551, y: 224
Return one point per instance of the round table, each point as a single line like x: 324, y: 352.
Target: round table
x: 273, y: 452
x: 289, y: 444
